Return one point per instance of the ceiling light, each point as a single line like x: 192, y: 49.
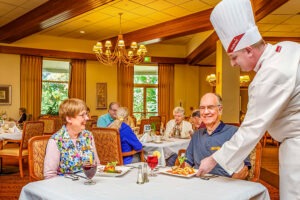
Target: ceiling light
x: 108, y: 55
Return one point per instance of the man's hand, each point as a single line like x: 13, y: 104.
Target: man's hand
x: 206, y: 165
x: 242, y: 174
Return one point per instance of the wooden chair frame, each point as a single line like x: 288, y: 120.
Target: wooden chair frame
x: 32, y: 157
x: 114, y: 138
x: 23, y: 147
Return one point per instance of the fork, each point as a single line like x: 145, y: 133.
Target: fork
x: 208, y: 177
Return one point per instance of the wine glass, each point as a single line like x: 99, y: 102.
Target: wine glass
x: 152, y: 161
x: 89, y: 170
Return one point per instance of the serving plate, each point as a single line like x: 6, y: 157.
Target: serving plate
x: 123, y: 170
x: 168, y: 170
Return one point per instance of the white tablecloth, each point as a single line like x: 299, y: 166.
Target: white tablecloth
x: 16, y: 135
x: 162, y: 187
x: 166, y: 148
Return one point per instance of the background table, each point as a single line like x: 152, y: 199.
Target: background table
x: 166, y: 148
x: 160, y: 187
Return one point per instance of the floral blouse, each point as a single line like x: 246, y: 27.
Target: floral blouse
x: 72, y: 156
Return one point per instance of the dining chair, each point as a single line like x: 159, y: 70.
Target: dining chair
x: 36, y: 155
x: 94, y: 117
x: 108, y: 145
x: 143, y: 123
x: 89, y: 124
x: 30, y: 129
x: 255, y: 160
x: 49, y: 125
x: 155, y: 120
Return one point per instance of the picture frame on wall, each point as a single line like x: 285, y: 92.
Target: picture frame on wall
x: 101, y: 95
x: 5, y: 94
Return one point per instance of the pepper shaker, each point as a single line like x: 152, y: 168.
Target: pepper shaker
x: 145, y: 173
x: 140, y: 178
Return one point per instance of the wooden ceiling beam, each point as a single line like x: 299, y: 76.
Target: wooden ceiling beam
x: 261, y: 9
x: 48, y: 14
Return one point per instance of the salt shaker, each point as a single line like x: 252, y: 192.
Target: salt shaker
x: 145, y: 173
x: 140, y: 178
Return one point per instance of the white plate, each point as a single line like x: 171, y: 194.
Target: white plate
x: 123, y: 169
x: 167, y: 169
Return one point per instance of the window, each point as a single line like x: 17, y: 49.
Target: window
x: 145, y: 91
x: 55, y: 83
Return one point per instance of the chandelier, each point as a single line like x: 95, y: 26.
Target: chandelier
x: 244, y: 80
x: 117, y: 55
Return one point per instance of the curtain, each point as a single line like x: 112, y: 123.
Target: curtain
x: 77, y: 83
x: 166, y: 90
x: 31, y: 84
x: 125, y: 85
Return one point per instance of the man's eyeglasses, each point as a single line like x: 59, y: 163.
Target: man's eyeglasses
x: 209, y: 107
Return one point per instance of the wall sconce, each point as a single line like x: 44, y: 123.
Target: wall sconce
x: 244, y: 80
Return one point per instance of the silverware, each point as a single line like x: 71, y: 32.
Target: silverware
x: 77, y: 176
x: 207, y: 177
x: 71, y: 177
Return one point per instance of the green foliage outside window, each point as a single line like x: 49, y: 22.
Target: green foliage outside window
x: 54, y: 90
x: 145, y: 83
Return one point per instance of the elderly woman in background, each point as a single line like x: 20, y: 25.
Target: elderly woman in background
x: 23, y: 116
x: 72, y: 145
x: 177, y: 127
x: 129, y: 141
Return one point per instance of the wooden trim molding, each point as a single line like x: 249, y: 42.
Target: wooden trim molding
x: 74, y: 55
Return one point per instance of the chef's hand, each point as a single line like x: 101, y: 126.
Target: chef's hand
x: 206, y: 165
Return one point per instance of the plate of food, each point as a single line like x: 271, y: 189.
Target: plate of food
x: 186, y: 172
x: 112, y: 170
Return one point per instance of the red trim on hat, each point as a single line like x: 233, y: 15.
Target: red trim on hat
x: 234, y: 42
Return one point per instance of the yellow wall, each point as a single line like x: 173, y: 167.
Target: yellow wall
x: 98, y: 73
x: 10, y: 75
x: 190, y: 85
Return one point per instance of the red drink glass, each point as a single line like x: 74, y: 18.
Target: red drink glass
x: 152, y: 163
x: 89, y: 170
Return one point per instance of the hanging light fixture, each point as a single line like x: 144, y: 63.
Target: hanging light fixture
x: 109, y: 55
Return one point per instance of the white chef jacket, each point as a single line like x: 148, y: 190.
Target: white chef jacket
x: 274, y: 105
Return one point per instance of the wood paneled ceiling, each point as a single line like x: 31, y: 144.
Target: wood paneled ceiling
x: 180, y: 22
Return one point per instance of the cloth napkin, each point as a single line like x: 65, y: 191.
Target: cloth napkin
x: 146, y: 138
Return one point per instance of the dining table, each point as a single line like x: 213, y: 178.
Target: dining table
x: 162, y: 186
x: 166, y: 147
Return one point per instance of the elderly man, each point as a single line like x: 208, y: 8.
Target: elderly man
x: 210, y: 139
x: 274, y: 95
x: 108, y: 118
x: 178, y: 127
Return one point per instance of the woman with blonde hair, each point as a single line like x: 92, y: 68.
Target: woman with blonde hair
x: 129, y: 141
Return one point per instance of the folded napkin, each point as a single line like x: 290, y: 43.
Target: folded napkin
x: 146, y: 137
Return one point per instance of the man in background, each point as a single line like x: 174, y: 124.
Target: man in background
x: 108, y: 118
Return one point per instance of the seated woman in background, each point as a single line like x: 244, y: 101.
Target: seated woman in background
x: 129, y: 141
x: 72, y: 145
x: 23, y: 116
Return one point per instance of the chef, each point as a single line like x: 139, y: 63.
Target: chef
x: 274, y: 95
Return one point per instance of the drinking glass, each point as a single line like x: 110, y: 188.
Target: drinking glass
x: 89, y: 170
x: 152, y: 163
